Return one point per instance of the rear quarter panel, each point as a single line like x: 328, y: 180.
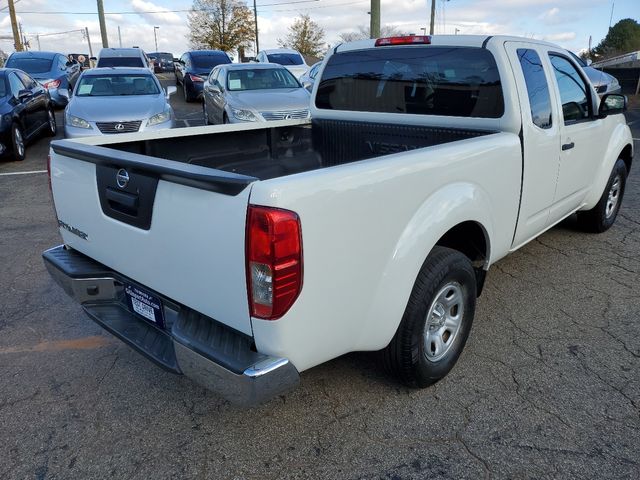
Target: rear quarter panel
x: 368, y: 226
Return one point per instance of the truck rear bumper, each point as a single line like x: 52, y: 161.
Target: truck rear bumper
x: 212, y: 354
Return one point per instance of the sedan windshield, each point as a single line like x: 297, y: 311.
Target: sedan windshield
x: 260, y: 79
x: 285, y: 58
x: 111, y: 85
x: 30, y: 65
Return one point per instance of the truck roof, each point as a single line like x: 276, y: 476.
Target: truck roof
x: 449, y: 40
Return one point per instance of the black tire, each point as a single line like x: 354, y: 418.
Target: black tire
x: 52, y: 127
x: 187, y: 97
x: 225, y: 118
x: 601, y: 217
x: 412, y: 356
x: 17, y: 137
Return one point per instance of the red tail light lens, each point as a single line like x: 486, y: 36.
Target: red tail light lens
x: 274, y: 261
x: 408, y: 40
x: 52, y: 84
x: 195, y: 78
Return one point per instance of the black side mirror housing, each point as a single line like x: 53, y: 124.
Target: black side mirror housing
x: 22, y: 94
x: 611, y: 104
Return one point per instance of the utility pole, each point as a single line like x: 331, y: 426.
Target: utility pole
x: 155, y: 37
x: 255, y: 20
x: 374, y: 26
x: 433, y: 16
x: 120, y: 36
x: 17, y: 41
x: 103, y: 25
x: 86, y: 32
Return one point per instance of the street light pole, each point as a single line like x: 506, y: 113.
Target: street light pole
x: 155, y: 37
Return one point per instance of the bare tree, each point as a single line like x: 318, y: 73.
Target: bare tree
x: 363, y: 33
x: 305, y: 36
x: 220, y: 24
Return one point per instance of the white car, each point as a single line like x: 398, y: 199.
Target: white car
x: 291, y: 59
x: 124, y: 57
x: 241, y: 255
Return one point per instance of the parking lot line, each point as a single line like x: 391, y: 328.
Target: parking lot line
x: 22, y: 173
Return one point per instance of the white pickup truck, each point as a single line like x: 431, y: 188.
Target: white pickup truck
x: 241, y: 255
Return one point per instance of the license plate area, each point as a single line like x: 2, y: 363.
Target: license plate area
x: 144, y: 304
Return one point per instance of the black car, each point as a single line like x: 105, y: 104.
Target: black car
x: 162, y: 62
x: 194, y: 67
x: 26, y: 110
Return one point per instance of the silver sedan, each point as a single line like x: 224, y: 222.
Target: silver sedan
x: 117, y: 100
x: 235, y: 93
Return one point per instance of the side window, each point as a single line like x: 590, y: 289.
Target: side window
x: 574, y: 93
x: 212, y: 76
x: 314, y: 71
x: 222, y: 79
x: 15, y: 84
x: 537, y: 87
x: 26, y: 80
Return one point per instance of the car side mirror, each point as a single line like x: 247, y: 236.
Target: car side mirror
x: 215, y: 88
x: 93, y: 59
x: 171, y: 90
x: 176, y: 60
x: 611, y: 104
x: 22, y: 94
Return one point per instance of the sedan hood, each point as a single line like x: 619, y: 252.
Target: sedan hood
x: 269, y: 100
x: 116, y: 109
x: 598, y: 77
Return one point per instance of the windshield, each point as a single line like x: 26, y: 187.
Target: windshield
x: 112, y: 85
x: 260, y: 79
x: 121, y: 62
x: 165, y: 57
x: 285, y: 58
x: 209, y: 61
x: 30, y: 65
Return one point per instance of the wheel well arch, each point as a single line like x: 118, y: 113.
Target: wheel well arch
x: 627, y: 156
x: 471, y: 239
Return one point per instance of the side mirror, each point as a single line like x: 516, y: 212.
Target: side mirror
x: 215, y: 88
x: 171, y: 90
x: 93, y: 59
x: 611, y: 104
x: 176, y: 60
x: 588, y: 61
x: 22, y: 94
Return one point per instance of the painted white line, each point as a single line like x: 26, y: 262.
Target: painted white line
x: 22, y: 173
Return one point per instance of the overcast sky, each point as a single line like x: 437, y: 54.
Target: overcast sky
x: 566, y: 22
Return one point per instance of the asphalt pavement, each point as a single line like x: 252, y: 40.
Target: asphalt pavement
x: 547, y: 387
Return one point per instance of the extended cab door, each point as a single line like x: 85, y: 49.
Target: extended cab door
x: 540, y: 137
x: 582, y: 145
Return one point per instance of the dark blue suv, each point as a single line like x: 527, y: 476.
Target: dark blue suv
x: 194, y: 67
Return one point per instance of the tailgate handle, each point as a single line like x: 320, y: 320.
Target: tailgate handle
x: 122, y: 201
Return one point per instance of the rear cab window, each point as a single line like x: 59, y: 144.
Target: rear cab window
x: 121, y: 62
x: 433, y: 80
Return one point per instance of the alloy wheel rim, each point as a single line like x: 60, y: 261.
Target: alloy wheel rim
x: 613, y: 198
x: 19, y: 141
x: 443, y: 321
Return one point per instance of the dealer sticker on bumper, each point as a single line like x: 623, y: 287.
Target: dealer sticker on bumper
x: 144, y: 304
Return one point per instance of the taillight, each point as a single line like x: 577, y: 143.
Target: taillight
x: 52, y: 84
x: 274, y: 261
x: 408, y: 40
x: 195, y: 78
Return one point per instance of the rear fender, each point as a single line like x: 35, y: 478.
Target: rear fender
x: 446, y: 208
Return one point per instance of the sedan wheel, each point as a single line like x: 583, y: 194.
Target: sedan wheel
x: 17, y: 139
x: 51, y: 119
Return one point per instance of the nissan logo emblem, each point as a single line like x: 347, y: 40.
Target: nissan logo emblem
x: 287, y: 116
x: 122, y: 178
x: 119, y: 127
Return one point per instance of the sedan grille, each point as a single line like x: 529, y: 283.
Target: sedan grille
x: 119, y: 127
x: 285, y: 115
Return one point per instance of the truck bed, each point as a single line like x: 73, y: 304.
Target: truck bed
x: 279, y: 151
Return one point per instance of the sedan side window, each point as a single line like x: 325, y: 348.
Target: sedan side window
x: 15, y: 84
x: 222, y: 79
x: 28, y: 82
x: 574, y: 92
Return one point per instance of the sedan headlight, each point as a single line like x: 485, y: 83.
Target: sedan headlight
x: 77, y: 122
x: 159, y: 118
x: 246, y: 115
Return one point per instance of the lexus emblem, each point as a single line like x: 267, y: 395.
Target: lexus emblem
x: 122, y: 178
x: 287, y: 116
x: 119, y: 127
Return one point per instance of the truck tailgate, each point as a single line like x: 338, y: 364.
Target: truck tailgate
x: 175, y: 228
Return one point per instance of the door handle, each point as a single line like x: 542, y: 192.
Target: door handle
x: 567, y: 146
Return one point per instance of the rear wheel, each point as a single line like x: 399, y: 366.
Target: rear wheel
x: 52, y: 127
x: 601, y: 217
x: 17, y: 141
x: 187, y: 97
x: 436, y: 322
